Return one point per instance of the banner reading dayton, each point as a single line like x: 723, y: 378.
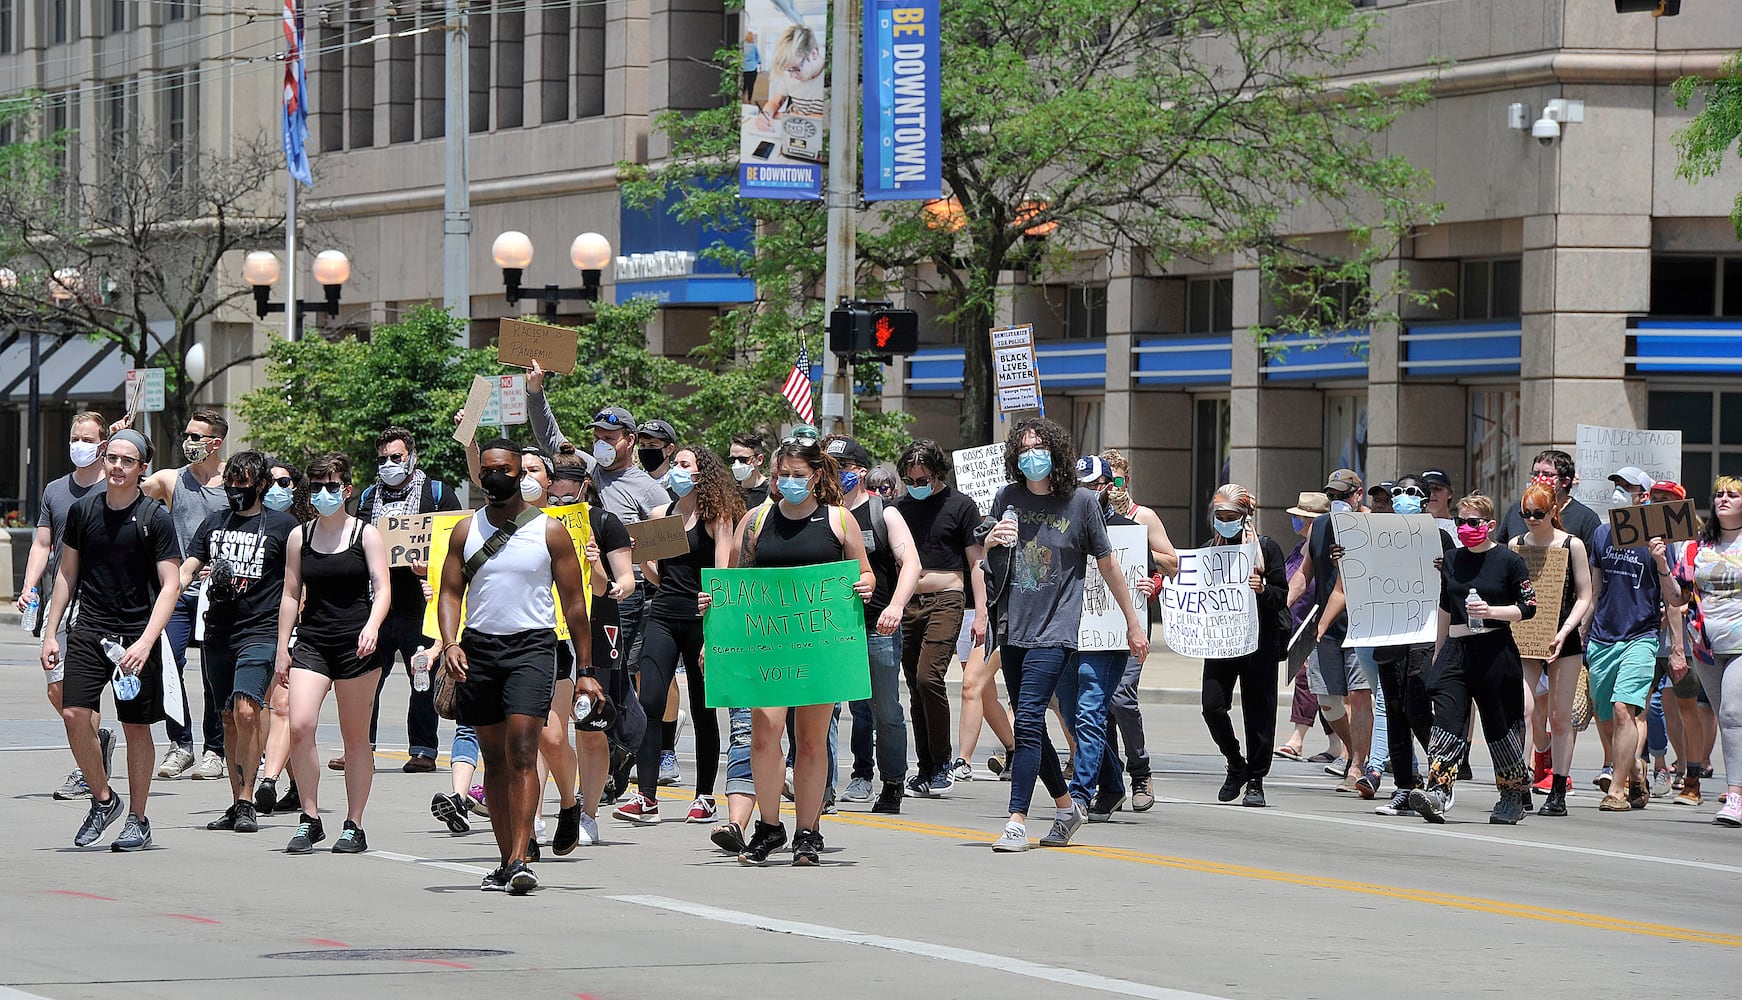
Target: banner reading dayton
x: 903, y: 145
x: 783, y: 106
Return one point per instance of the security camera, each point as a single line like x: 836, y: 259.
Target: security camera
x: 1546, y: 130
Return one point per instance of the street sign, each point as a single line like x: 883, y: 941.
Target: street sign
x: 1016, y: 375
x: 507, y: 403
x: 145, y: 390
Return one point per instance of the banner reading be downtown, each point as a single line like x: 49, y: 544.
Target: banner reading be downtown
x: 903, y: 147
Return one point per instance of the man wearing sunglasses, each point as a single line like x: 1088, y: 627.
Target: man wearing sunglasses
x: 1555, y: 469
x: 747, y: 456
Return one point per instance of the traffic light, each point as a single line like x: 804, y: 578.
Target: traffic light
x: 1656, y: 8
x: 860, y: 327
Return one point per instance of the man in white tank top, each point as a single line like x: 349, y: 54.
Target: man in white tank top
x: 501, y: 564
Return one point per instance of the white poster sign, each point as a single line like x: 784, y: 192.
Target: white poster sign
x: 1015, y: 374
x: 1389, y: 576
x: 144, y: 390
x: 507, y: 403
x: 1599, y: 451
x: 979, y: 473
x: 1209, y: 610
x: 1103, y: 625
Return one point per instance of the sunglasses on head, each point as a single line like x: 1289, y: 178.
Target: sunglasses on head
x: 1408, y: 491
x: 1534, y: 515
x: 607, y: 418
x: 1470, y: 522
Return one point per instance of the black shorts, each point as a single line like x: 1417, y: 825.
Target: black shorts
x: 565, y: 660
x: 506, y: 675
x: 243, y: 671
x: 334, y: 659
x: 88, y: 672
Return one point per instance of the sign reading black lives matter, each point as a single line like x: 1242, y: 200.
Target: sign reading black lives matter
x: 1389, y: 577
x: 1014, y: 372
x: 1209, y: 608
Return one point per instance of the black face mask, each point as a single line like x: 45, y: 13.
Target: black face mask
x: 650, y: 458
x: 499, y: 486
x: 242, y: 497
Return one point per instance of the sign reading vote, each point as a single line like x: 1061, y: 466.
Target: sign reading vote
x: 782, y: 637
x: 1103, y: 626
x: 1672, y: 521
x: 1209, y: 609
x: 1389, y: 577
x: 979, y: 473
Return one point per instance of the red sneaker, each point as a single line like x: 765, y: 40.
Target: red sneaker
x: 702, y: 810
x: 639, y: 809
x: 1543, y: 763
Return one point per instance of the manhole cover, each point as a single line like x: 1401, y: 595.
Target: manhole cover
x: 387, y: 954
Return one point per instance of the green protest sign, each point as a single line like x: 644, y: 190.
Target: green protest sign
x: 777, y: 638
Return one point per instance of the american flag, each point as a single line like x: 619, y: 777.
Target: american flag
x: 295, y: 107
x: 797, y: 389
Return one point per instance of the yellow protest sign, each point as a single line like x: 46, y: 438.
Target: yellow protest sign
x: 572, y: 516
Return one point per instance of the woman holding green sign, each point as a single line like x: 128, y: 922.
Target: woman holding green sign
x: 808, y: 527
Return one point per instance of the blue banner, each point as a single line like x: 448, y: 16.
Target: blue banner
x: 903, y: 106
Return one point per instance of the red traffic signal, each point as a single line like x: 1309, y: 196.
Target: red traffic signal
x: 873, y: 328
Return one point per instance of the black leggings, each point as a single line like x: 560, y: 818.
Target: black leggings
x: 1484, y: 669
x: 1409, y: 712
x: 663, y: 640
x: 1257, y: 676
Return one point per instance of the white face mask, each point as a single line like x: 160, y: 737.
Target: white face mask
x: 530, y: 491
x: 393, y: 473
x: 83, y: 453
x: 741, y: 471
x: 604, y: 452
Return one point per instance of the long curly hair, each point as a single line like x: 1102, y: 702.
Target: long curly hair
x: 1054, y: 439
x: 301, y: 507
x: 717, y: 494
x: 828, y: 487
x: 1540, y: 496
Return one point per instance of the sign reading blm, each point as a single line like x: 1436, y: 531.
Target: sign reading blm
x: 779, y: 638
x: 1389, y: 577
x: 1633, y: 527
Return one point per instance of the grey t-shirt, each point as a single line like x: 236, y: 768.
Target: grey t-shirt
x: 630, y: 493
x: 1055, y: 536
x: 57, y: 500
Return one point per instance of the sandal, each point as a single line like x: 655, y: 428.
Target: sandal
x: 728, y: 837
x: 1287, y: 752
x: 1322, y: 757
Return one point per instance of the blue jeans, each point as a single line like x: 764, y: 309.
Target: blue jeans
x: 1379, y: 758
x: 465, y: 749
x: 878, y: 720
x: 1034, y: 675
x: 1656, y: 730
x: 181, y: 634
x: 738, y: 778
x: 1083, y: 697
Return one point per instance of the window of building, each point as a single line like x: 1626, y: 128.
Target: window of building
x: 178, y: 9
x: 1491, y: 289
x: 432, y: 82
x: 478, y: 33
x: 113, y: 164
x: 1078, y: 312
x: 117, y: 15
x: 59, y: 13
x: 1696, y: 286
x: 589, y: 61
x: 510, y: 68
x: 553, y: 55
x: 1493, y: 444
x: 360, y: 86
x: 1209, y: 305
x: 1211, y: 428
x: 1711, y: 424
x: 327, y: 87
x: 1086, y: 423
x: 181, y: 126
x: 402, y: 90
x: 5, y: 26
x: 1346, y: 432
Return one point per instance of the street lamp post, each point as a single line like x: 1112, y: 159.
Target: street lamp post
x: 589, y: 253
x: 63, y: 286
x: 261, y: 270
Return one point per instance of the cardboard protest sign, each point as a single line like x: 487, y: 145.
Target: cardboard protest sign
x: 1209, y: 610
x: 979, y: 473
x: 1103, y: 625
x: 1633, y: 527
x: 777, y: 638
x: 1389, y: 577
x: 519, y: 342
x: 1015, y: 373
x: 476, y: 401
x: 1599, y: 451
x: 660, y: 538
x: 1547, y: 566
x: 406, y: 538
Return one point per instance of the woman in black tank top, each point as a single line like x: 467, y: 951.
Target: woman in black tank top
x: 805, y: 528
x: 336, y: 574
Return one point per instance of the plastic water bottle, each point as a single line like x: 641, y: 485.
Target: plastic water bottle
x: 1476, y: 624
x: 1009, y: 515
x: 420, y: 670
x: 32, y: 608
x: 113, y: 650
x: 583, y: 708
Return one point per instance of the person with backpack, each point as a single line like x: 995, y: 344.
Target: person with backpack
x: 121, y: 562
x: 403, y: 490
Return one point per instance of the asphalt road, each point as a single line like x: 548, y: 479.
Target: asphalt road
x: 1313, y: 897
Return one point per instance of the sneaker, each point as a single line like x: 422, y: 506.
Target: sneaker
x: 451, y: 809
x: 639, y: 809
x: 1142, y: 796
x: 1429, y: 804
x: 1105, y: 805
x: 1464, y: 772
x: 351, y: 841
x: 769, y: 837
x: 476, y: 794
x: 1545, y: 784
x: 1064, y: 828
x: 1338, y: 767
x: 73, y: 787
x: 999, y: 763
x: 1349, y: 784
x: 702, y: 810
x: 1398, y: 806
x: 532, y: 851
x: 1508, y: 811
x: 807, y: 846
x: 519, y: 879
x: 225, y: 822
x: 1254, y: 797
x: 1542, y: 770
x: 290, y: 801
x: 568, y: 830
x: 888, y: 800
x: 210, y: 767
x: 496, y: 881
x: 1013, y: 840
x: 246, y: 822
x: 106, y: 743
x: 1660, y: 786
x: 786, y: 789
x: 1690, y: 793
x: 135, y: 835
x: 98, y: 820
x: 266, y: 797
x: 941, y: 783
x: 1231, y: 785
x: 176, y: 761
x: 309, y: 832
x: 829, y: 807
x: 1731, y: 814
x: 668, y: 771
x: 1603, y: 779
x: 858, y: 790
x: 538, y: 828
x: 961, y: 770
x: 1367, y: 785
x: 919, y: 787
x: 589, y: 831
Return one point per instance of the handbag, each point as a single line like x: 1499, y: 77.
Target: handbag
x: 445, y: 692
x: 1582, y: 713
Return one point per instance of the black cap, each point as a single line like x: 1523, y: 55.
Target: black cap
x: 1436, y: 477
x: 847, y: 451
x: 659, y: 429
x: 614, y: 418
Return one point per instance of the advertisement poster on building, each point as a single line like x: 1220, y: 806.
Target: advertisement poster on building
x: 783, y: 134
x: 1014, y: 372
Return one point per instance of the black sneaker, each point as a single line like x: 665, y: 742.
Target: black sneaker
x: 290, y: 801
x: 519, y: 879
x: 769, y: 837
x: 1231, y: 785
x: 309, y: 832
x: 99, y: 818
x: 266, y: 796
x: 1254, y: 794
x: 889, y: 800
x: 245, y: 820
x: 1105, y: 805
x: 226, y: 821
x: 807, y: 846
x: 532, y: 852
x: 496, y: 881
x: 451, y: 809
x: 351, y: 841
x: 568, y: 830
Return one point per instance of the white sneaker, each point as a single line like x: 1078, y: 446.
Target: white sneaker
x: 1011, y: 841
x: 858, y: 790
x: 961, y: 770
x: 538, y: 829
x: 176, y: 761
x: 786, y: 789
x: 589, y: 830
x: 211, y: 766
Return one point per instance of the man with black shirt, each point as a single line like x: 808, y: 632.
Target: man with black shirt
x: 245, y: 547
x: 1555, y: 469
x: 747, y: 455
x: 403, y: 490
x: 120, y: 560
x: 655, y: 443
x: 1338, y: 676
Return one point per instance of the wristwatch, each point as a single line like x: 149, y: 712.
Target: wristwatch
x: 588, y: 672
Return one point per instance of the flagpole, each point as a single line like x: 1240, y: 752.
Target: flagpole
x: 290, y: 307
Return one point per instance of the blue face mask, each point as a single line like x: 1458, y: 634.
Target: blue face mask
x: 1035, y: 464
x: 1229, y: 529
x: 849, y: 481
x: 1299, y: 523
x: 1339, y: 506
x: 682, y: 482
x: 919, y: 492
x: 327, y: 502
x: 796, y: 489
x: 279, y: 497
x: 1403, y: 503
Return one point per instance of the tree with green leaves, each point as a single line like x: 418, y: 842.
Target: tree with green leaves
x: 1705, y: 142
x: 1161, y: 129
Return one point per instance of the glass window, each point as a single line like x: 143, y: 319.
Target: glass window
x: 117, y: 15
x: 1210, y: 436
x: 1086, y: 312
x: 58, y: 15
x: 1494, y: 444
x: 1684, y: 286
x: 5, y: 26
x: 1688, y: 412
x: 1346, y: 432
x: 1086, y: 424
x: 1732, y: 305
x: 1210, y: 306
x: 1508, y: 280
x: 1473, y: 292
x: 1730, y: 422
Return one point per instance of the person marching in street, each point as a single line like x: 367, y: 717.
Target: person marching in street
x: 747, y: 456
x: 1712, y: 567
x: 87, y: 436
x: 287, y: 493
x: 244, y: 547
x: 501, y: 565
x: 337, y: 596
x: 1304, y: 709
x: 655, y: 447
x: 120, y: 563
x: 1052, y: 529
